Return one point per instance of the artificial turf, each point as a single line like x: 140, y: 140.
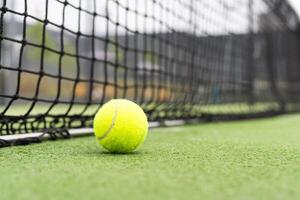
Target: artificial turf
x: 256, y: 159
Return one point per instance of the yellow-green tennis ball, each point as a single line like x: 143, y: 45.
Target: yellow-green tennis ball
x: 120, y: 126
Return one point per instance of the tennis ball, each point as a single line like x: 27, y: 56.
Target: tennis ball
x: 120, y: 126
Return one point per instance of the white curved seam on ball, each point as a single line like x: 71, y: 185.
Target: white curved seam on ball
x: 111, y: 125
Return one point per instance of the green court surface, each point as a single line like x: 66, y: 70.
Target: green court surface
x: 255, y: 159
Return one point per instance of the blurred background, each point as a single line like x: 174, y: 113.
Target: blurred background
x: 224, y: 26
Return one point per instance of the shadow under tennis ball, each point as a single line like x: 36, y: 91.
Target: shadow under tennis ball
x: 101, y: 153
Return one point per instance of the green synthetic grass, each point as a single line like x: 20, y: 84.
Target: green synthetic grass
x: 257, y: 159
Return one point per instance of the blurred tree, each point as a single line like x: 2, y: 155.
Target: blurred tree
x: 151, y: 57
x: 51, y: 41
x: 117, y: 50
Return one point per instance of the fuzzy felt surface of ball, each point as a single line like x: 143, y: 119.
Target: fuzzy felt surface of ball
x: 120, y: 126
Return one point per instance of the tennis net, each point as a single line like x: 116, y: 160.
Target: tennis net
x: 180, y: 60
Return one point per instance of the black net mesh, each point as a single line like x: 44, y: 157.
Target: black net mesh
x: 179, y: 59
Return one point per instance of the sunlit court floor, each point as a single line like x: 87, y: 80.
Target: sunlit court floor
x: 253, y: 159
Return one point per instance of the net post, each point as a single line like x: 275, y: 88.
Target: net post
x: 271, y: 67
x: 250, y: 54
x: 271, y: 36
x: 193, y: 51
x: 2, y: 77
x: 6, y: 52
